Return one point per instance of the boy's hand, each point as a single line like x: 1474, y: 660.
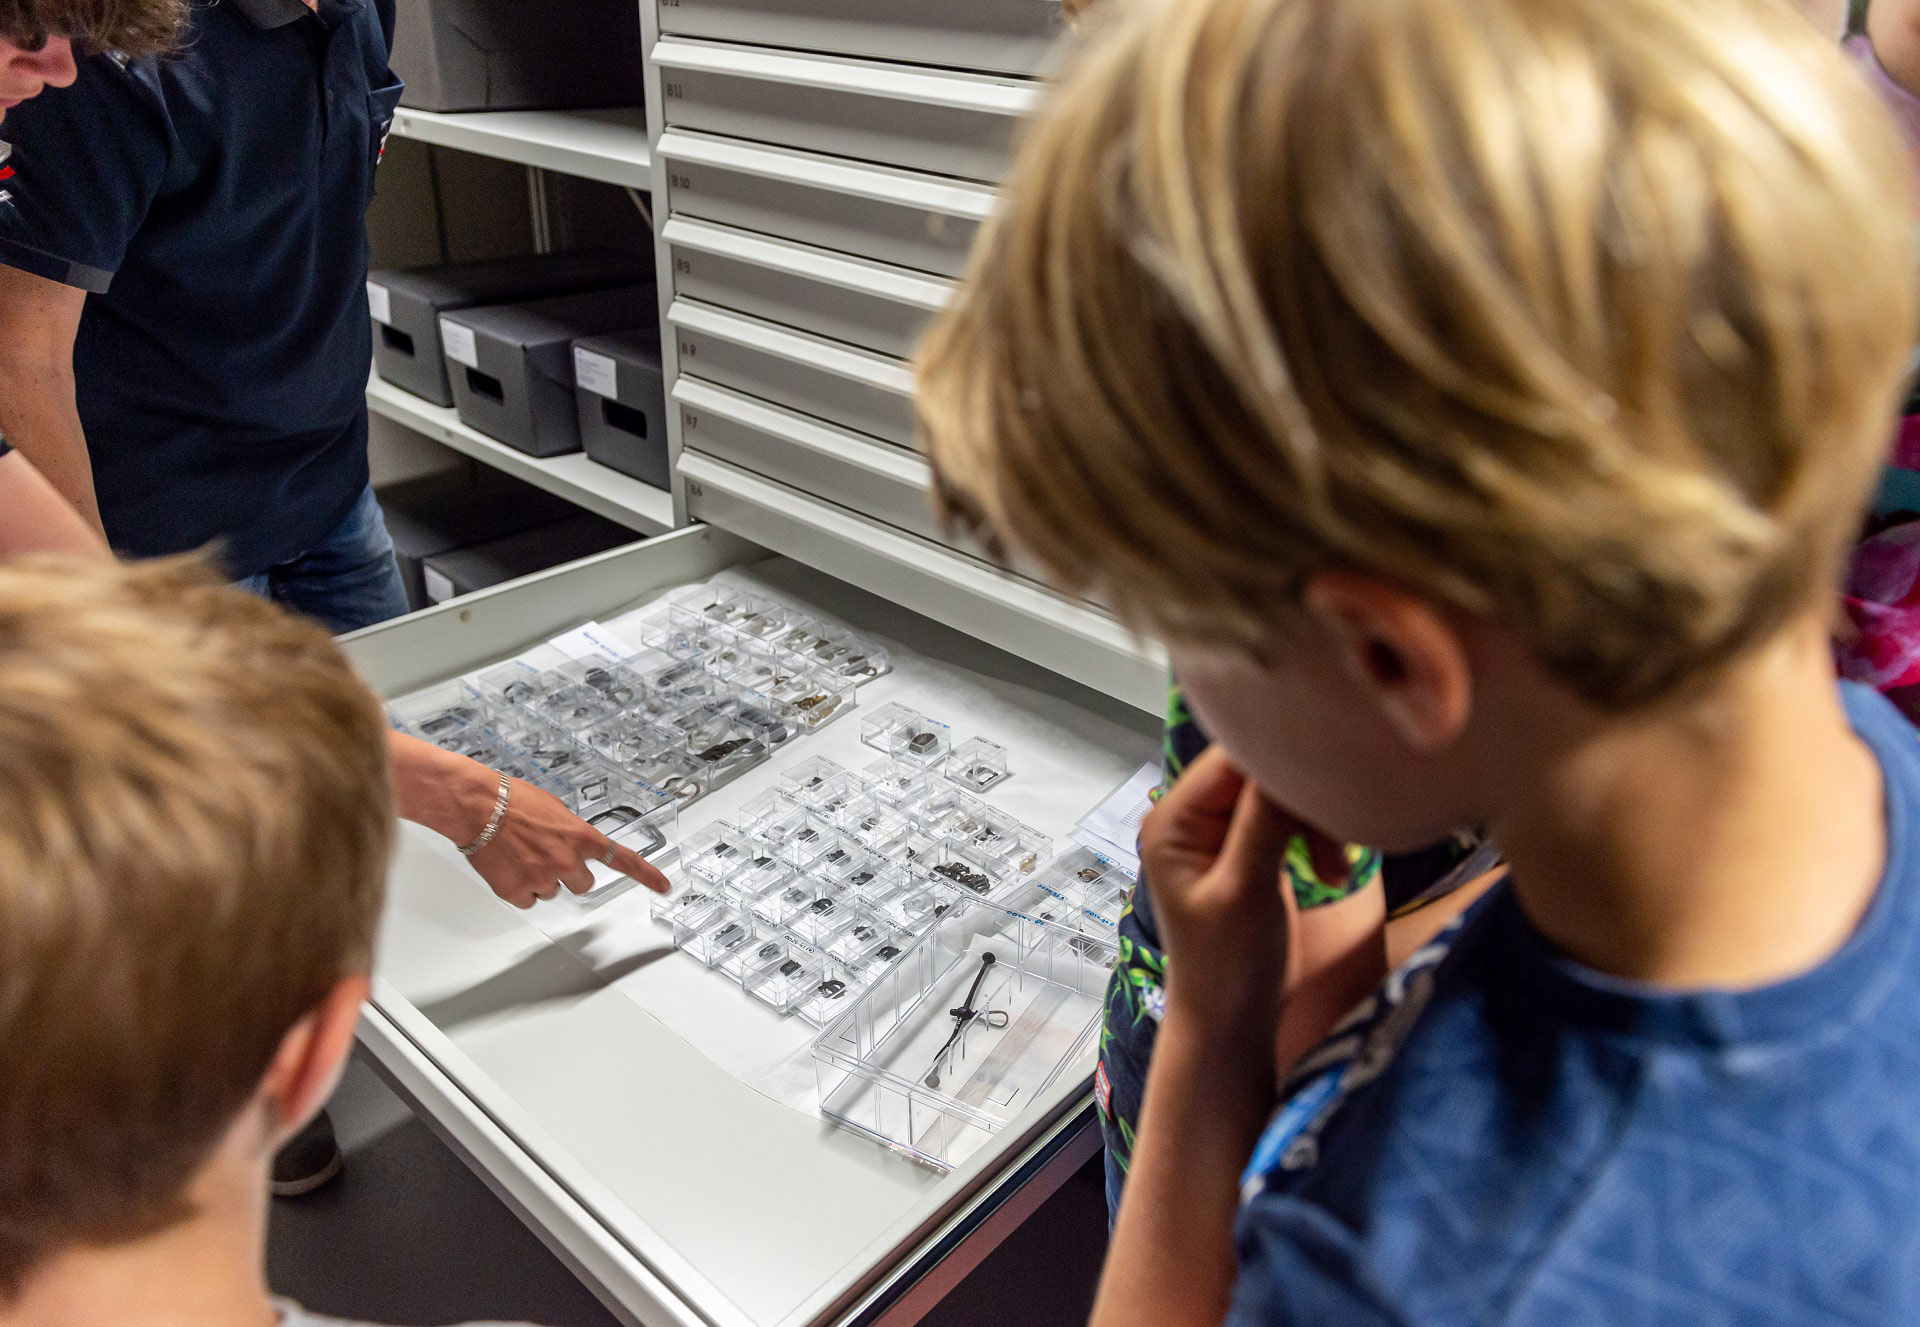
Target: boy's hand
x: 1213, y: 851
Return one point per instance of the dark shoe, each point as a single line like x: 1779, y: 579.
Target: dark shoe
x: 310, y: 1159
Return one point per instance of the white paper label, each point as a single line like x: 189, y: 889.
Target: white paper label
x: 585, y: 642
x: 380, y: 302
x: 439, y: 588
x: 457, y: 341
x: 594, y: 372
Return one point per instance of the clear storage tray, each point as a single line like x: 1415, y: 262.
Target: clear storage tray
x: 901, y: 1065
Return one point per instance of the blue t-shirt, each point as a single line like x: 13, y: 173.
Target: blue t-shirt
x: 1502, y: 1136
x: 212, y: 204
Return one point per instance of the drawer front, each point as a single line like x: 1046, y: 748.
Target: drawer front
x: 1000, y: 36
x: 877, y: 213
x: 859, y: 303
x: 881, y: 482
x: 850, y: 117
x: 842, y: 386
x: 1065, y: 635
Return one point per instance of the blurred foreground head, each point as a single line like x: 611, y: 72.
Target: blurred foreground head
x: 193, y: 845
x: 1585, y: 317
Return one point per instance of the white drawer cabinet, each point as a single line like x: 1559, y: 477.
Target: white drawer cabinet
x: 849, y: 470
x: 917, y: 119
x: 852, y: 388
x: 867, y: 304
x: 1003, y: 36
x: 906, y: 218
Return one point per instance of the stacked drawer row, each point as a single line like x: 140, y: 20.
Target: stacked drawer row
x: 824, y: 182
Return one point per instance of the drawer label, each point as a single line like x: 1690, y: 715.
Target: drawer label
x: 596, y: 373
x: 457, y: 341
x: 380, y: 302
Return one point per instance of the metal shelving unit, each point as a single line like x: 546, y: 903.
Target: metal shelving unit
x: 609, y: 146
x: 581, y: 481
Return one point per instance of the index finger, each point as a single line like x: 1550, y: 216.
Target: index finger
x: 628, y: 862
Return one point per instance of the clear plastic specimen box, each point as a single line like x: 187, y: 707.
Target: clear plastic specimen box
x: 759, y: 871
x: 977, y: 764
x: 907, y: 736
x: 833, y: 992
x: 686, y: 911
x: 513, y: 683
x: 725, y: 934
x: 899, y: 786
x: 778, y: 906
x: 841, y: 652
x: 716, y: 852
x: 973, y: 1024
x: 812, y: 695
x: 965, y: 867
x: 439, y: 712
x: 784, y: 983
x: 804, y: 780
x: 637, y: 819
x: 829, y: 911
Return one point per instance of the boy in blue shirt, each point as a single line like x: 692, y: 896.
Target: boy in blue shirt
x: 1480, y: 397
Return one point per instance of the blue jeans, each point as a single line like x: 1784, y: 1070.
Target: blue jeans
x: 348, y: 580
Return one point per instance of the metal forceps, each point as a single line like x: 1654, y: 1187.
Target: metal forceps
x: 966, y: 1016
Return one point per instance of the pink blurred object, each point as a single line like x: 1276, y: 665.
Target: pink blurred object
x: 1883, y: 607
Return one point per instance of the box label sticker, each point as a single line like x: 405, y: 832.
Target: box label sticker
x: 439, y: 588
x: 380, y: 302
x: 457, y: 341
x: 595, y: 373
x: 589, y: 640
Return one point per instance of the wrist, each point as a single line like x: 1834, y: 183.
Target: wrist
x: 452, y: 795
x: 1237, y: 1049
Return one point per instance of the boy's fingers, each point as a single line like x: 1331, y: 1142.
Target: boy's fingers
x: 1192, y: 819
x: 1256, y: 840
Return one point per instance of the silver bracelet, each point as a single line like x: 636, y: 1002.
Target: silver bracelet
x: 493, y: 825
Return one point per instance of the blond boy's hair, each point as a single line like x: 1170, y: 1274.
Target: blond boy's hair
x: 1585, y: 316
x: 194, y: 828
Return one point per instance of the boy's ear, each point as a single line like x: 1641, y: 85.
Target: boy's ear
x: 1401, y: 650
x: 307, y: 1066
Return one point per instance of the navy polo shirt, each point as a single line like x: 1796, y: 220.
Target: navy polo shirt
x: 212, y: 204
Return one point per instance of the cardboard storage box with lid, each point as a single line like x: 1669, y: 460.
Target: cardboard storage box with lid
x: 621, y: 392
x: 512, y: 365
x: 407, y: 305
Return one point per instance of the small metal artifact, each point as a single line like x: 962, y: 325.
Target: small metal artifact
x: 965, y: 1016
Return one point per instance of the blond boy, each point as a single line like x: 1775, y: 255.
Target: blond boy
x: 193, y: 840
x: 1479, y: 397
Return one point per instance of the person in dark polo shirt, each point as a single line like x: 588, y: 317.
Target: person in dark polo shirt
x: 189, y: 234
x: 183, y: 322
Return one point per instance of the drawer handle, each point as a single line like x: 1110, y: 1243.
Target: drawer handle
x: 397, y: 340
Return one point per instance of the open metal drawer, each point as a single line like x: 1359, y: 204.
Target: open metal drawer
x: 1003, y: 36
x: 924, y: 222
x: 898, y: 115
x: 679, y: 1193
x: 837, y: 383
x: 1066, y: 636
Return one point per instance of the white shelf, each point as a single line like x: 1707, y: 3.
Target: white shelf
x: 577, y: 478
x: 596, y: 145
